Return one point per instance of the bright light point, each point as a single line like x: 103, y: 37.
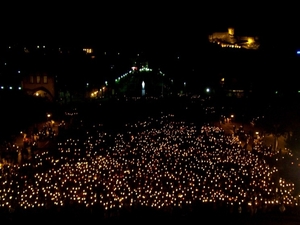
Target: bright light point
x: 10, y: 88
x: 19, y: 88
x: 207, y: 90
x: 143, y: 84
x: 298, y: 52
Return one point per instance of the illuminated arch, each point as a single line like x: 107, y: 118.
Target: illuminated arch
x: 41, y: 92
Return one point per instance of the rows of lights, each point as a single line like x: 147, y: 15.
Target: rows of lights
x: 142, y: 69
x: 230, y: 46
x: 10, y: 88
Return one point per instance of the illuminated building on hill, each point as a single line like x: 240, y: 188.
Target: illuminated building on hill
x: 230, y: 40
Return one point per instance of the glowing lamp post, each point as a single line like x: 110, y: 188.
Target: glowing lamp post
x: 143, y: 88
x: 48, y: 116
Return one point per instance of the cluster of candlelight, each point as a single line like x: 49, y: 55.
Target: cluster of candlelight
x: 157, y: 163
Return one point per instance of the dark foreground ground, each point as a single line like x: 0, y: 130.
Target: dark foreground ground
x: 147, y: 216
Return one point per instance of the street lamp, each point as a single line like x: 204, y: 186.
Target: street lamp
x: 48, y: 117
x: 257, y: 135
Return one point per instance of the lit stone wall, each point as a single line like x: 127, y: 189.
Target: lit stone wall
x: 227, y: 39
x: 31, y: 85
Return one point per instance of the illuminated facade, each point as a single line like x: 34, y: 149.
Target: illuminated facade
x: 89, y: 51
x: 40, y: 85
x: 230, y: 40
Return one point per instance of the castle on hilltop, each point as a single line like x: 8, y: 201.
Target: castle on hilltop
x: 230, y: 40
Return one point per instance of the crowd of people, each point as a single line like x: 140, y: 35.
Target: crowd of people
x: 161, y: 163
x: 21, y: 148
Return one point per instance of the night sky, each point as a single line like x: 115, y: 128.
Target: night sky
x: 164, y: 30
x: 180, y: 24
